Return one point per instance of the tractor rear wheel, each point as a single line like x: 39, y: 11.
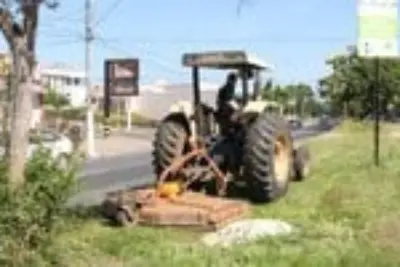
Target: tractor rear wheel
x: 169, y: 143
x: 268, y: 158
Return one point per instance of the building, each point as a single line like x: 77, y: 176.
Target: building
x: 36, y: 89
x: 67, y: 80
x: 154, y: 100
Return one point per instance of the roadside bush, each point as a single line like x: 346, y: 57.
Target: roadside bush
x: 33, y: 214
x: 66, y: 113
x: 55, y: 99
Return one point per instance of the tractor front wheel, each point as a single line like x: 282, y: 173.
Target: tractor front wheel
x: 268, y: 158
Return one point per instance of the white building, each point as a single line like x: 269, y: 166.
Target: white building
x: 67, y: 80
x: 154, y: 100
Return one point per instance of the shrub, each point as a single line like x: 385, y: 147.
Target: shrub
x: 32, y: 214
x: 66, y: 113
x: 55, y: 99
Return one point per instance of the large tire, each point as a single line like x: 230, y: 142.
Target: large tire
x: 170, y: 142
x: 268, y: 158
x: 122, y: 218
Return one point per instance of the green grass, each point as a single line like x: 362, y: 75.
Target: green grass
x: 348, y: 213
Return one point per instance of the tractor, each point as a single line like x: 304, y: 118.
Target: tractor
x: 257, y: 149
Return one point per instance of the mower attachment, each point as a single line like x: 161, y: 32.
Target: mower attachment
x: 189, y: 209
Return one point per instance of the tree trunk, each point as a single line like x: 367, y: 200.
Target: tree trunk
x: 8, y: 105
x: 20, y: 116
x: 19, y: 134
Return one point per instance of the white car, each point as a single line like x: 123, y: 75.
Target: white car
x: 60, y: 146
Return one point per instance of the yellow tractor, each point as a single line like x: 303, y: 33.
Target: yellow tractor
x: 189, y: 147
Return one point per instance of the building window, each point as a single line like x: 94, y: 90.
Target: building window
x: 68, y: 81
x: 77, y: 81
x: 46, y: 81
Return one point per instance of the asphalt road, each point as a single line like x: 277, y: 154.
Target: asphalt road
x: 133, y: 170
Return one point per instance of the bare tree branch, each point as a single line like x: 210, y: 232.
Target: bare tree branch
x: 6, y: 24
x: 30, y: 21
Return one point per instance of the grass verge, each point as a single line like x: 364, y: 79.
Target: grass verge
x: 348, y: 211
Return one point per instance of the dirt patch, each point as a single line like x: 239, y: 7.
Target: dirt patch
x: 385, y: 232
x: 336, y: 201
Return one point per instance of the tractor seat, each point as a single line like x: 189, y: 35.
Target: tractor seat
x: 207, y: 109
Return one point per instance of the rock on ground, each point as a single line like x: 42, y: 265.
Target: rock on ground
x: 247, y: 230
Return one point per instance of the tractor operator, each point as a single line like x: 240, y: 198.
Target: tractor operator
x: 226, y: 104
x: 227, y: 111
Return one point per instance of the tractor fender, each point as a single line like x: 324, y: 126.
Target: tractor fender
x: 182, y: 111
x: 256, y: 107
x: 183, y: 107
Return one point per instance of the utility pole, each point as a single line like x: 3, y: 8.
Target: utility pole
x: 89, y: 113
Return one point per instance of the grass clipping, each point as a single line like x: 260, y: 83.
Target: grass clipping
x: 348, y: 211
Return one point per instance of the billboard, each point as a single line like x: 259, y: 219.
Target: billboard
x: 122, y: 77
x: 377, y: 28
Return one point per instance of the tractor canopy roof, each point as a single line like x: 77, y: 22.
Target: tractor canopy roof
x: 223, y: 60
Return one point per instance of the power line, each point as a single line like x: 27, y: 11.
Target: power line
x: 61, y: 43
x: 58, y: 36
x: 233, y: 40
x: 70, y: 16
x: 154, y: 59
x: 55, y: 29
x: 107, y: 14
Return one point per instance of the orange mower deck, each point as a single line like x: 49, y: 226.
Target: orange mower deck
x: 189, y: 209
x: 171, y: 204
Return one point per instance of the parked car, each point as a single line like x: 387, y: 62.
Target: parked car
x: 295, y: 124
x: 60, y: 146
x: 325, y: 122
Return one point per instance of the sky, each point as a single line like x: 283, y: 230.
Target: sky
x: 294, y: 36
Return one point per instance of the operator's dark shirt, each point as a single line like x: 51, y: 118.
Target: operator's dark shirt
x: 225, y: 94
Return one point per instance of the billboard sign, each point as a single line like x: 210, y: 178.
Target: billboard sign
x: 377, y: 28
x: 122, y: 77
